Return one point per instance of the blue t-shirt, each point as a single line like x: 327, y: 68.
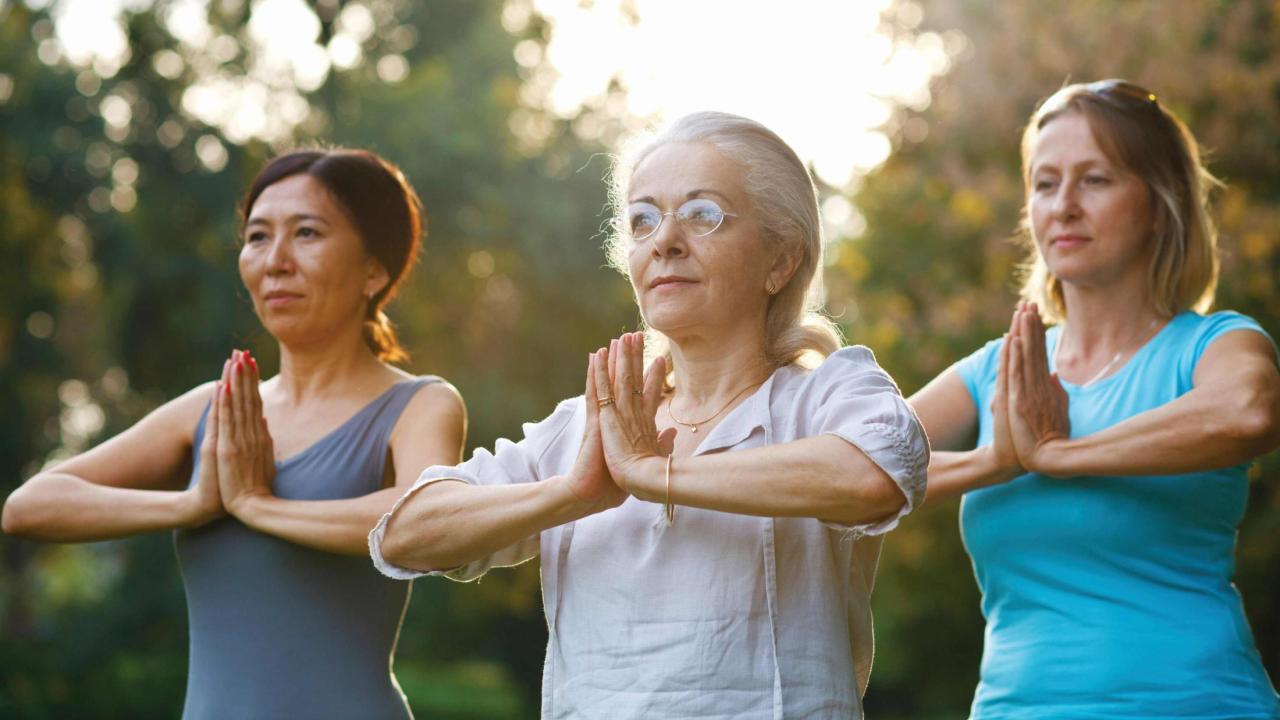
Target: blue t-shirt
x: 1111, y: 597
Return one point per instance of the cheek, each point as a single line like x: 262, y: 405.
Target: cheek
x: 637, y: 261
x: 248, y: 273
x: 1038, y: 214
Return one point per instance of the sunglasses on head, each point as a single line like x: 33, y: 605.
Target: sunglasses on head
x: 1123, y: 90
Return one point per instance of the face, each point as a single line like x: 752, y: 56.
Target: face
x: 683, y: 282
x: 1091, y: 218
x: 304, y: 264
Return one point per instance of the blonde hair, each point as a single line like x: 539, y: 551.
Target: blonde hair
x: 778, y: 187
x: 1135, y: 131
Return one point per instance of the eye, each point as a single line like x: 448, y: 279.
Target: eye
x: 255, y: 236
x: 1096, y: 180
x: 642, y: 220
x: 307, y: 232
x: 701, y: 216
x: 1044, y: 184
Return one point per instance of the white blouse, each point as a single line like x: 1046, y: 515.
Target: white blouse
x: 719, y: 615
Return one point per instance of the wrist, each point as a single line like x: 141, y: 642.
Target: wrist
x: 996, y: 467
x: 1051, y: 458
x: 192, y: 508
x: 645, y: 478
x: 566, y: 504
x: 248, y: 506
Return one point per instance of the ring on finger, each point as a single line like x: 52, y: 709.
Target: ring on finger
x: 604, y: 401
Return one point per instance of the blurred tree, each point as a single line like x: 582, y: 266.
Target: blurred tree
x: 933, y: 275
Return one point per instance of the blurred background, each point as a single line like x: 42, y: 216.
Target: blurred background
x: 128, y: 128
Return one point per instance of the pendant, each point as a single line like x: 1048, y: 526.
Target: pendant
x: 695, y: 430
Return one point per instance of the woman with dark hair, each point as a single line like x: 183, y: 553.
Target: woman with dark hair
x: 283, y: 479
x: 1103, y: 460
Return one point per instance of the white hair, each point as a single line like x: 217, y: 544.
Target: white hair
x: 781, y: 192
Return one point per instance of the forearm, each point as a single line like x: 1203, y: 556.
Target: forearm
x: 336, y: 526
x: 952, y: 474
x: 824, y: 477
x: 449, y: 524
x: 1191, y: 434
x: 58, y: 507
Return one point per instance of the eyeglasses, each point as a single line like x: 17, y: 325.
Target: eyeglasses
x: 1123, y: 89
x: 699, y: 217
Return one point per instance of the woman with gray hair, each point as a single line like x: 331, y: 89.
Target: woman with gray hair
x: 787, y: 456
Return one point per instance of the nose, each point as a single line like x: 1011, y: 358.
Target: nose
x: 1065, y: 203
x: 669, y: 240
x: 280, y: 256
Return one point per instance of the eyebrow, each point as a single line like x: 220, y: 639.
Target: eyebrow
x: 688, y: 196
x: 296, y: 218
x: 1090, y: 163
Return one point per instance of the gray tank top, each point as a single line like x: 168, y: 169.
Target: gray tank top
x: 279, y: 630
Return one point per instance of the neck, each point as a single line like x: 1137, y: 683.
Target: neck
x: 1102, y: 322
x: 710, y: 370
x: 327, y: 367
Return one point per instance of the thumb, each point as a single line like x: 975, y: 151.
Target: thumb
x: 590, y: 397
x: 667, y: 441
x: 211, y: 420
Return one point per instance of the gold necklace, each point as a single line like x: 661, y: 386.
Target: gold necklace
x: 693, y: 426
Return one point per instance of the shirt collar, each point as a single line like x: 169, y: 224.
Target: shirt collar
x: 752, y: 414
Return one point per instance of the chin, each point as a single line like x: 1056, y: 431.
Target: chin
x: 668, y: 316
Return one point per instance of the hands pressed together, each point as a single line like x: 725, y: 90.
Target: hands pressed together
x: 621, y: 443
x: 237, y: 458
x: 1030, y: 406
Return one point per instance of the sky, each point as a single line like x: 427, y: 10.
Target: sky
x: 824, y: 75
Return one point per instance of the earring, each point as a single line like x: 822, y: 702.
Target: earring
x: 769, y: 288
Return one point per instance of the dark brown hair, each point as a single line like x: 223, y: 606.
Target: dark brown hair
x: 381, y: 204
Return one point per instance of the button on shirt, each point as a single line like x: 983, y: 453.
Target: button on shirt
x: 718, y: 615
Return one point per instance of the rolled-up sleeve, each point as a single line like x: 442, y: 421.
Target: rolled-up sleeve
x: 851, y: 397
x: 509, y: 463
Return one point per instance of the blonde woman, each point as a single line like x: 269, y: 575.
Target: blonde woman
x: 708, y: 530
x: 1108, y: 478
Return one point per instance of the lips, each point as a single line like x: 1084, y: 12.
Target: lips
x: 277, y: 298
x: 1068, y: 241
x: 670, y: 281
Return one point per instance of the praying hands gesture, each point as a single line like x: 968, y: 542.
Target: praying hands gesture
x: 1030, y: 405
x: 629, y: 435
x: 590, y: 480
x: 237, y: 439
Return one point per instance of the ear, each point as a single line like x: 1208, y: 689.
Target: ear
x: 786, y: 261
x: 376, y: 277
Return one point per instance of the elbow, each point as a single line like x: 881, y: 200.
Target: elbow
x: 16, y: 517
x: 873, y: 498
x: 410, y: 542
x: 395, y: 546
x: 1256, y: 418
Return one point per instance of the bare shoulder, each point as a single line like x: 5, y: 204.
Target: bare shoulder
x: 185, y: 410
x: 431, y: 430
x: 435, y: 404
